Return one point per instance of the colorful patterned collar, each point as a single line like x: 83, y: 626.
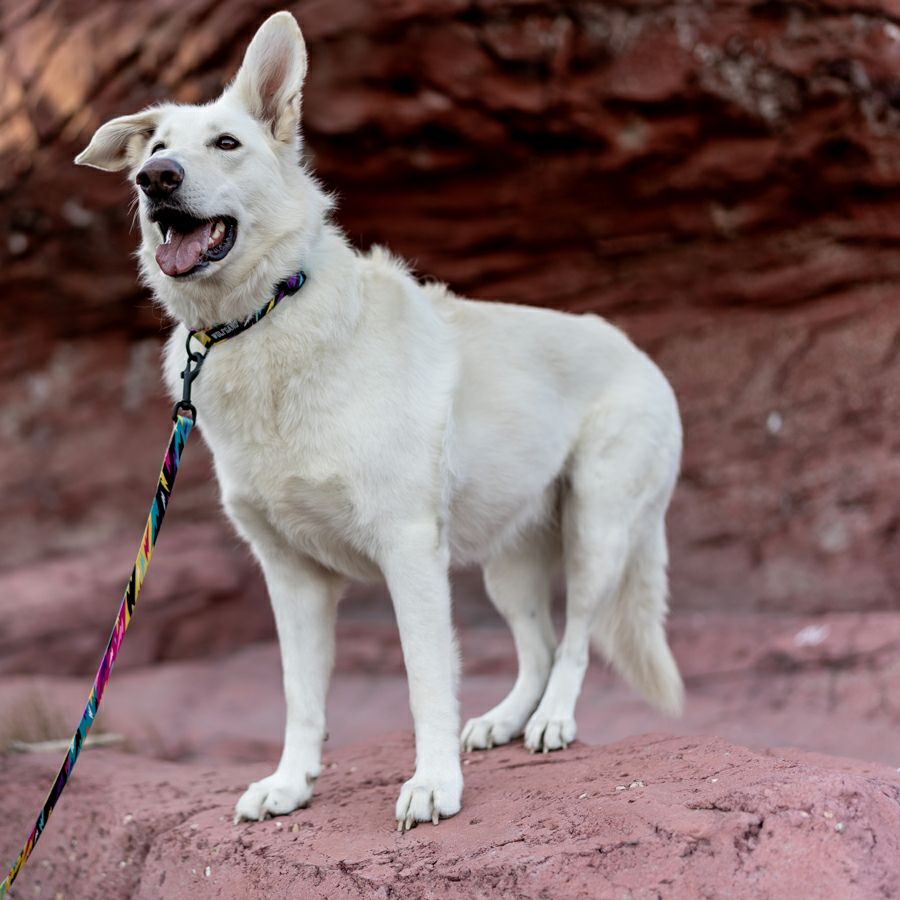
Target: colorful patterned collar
x: 208, y: 337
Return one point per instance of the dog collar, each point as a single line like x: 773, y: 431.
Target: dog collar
x: 209, y: 337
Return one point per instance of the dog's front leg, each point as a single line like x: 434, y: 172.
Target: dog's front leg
x: 416, y: 570
x: 304, y: 600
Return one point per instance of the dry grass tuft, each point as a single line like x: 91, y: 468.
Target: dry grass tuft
x: 34, y: 719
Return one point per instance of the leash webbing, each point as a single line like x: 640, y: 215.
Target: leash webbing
x: 208, y: 338
x: 180, y: 433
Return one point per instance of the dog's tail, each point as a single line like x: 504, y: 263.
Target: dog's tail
x: 630, y: 631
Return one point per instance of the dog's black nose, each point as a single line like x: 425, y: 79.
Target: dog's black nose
x: 160, y: 177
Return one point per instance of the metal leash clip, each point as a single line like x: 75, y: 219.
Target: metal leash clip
x: 188, y: 376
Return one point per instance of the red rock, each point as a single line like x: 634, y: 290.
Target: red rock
x: 198, y: 601
x: 667, y: 816
x: 827, y: 684
x: 719, y: 180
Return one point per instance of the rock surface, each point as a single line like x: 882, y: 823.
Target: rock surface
x: 652, y: 816
x: 199, y: 601
x: 720, y: 179
x: 829, y: 684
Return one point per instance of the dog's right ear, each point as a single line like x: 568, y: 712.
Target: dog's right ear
x: 270, y: 81
x: 118, y: 144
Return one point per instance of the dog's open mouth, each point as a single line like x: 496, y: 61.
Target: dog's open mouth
x: 190, y: 244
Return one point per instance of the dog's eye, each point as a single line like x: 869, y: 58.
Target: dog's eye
x: 227, y: 142
x: 157, y: 147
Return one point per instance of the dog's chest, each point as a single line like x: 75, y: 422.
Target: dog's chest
x: 288, y: 495
x: 288, y: 474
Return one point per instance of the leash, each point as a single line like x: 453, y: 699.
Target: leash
x: 181, y: 430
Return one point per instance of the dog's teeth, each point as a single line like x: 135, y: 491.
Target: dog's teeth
x: 217, y: 234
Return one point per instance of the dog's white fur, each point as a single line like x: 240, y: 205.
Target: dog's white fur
x: 377, y: 426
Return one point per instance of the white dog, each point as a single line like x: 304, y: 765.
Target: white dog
x: 374, y: 426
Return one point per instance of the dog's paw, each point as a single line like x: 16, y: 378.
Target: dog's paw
x: 276, y: 795
x: 545, y: 734
x: 486, y: 732
x: 426, y: 798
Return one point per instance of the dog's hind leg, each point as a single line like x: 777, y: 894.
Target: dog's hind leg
x: 620, y: 478
x: 519, y: 585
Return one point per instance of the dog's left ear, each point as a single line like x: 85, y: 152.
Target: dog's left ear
x: 119, y: 143
x: 270, y: 80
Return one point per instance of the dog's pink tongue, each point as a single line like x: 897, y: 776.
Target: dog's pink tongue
x: 183, y: 250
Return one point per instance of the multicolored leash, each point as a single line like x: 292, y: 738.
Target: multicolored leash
x: 180, y: 433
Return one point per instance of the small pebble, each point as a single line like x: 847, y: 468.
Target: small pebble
x: 839, y: 827
x: 713, y: 780
x: 122, y: 863
x: 207, y: 871
x: 194, y: 826
x: 466, y: 762
x: 804, y: 814
x: 636, y: 784
x: 582, y: 796
x: 279, y: 826
x: 620, y: 787
x: 295, y: 828
x: 127, y: 819
x: 352, y: 768
x: 828, y: 815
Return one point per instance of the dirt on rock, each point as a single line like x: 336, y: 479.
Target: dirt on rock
x: 653, y: 816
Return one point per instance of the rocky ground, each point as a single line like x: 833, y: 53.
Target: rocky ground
x: 651, y: 816
x: 674, y: 813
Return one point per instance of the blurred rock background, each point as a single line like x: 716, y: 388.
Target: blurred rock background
x: 721, y: 179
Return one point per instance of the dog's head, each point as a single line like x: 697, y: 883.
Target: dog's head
x: 221, y: 189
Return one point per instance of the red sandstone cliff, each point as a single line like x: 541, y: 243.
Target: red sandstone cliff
x: 722, y: 179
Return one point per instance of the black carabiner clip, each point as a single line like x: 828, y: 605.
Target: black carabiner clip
x: 188, y: 376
